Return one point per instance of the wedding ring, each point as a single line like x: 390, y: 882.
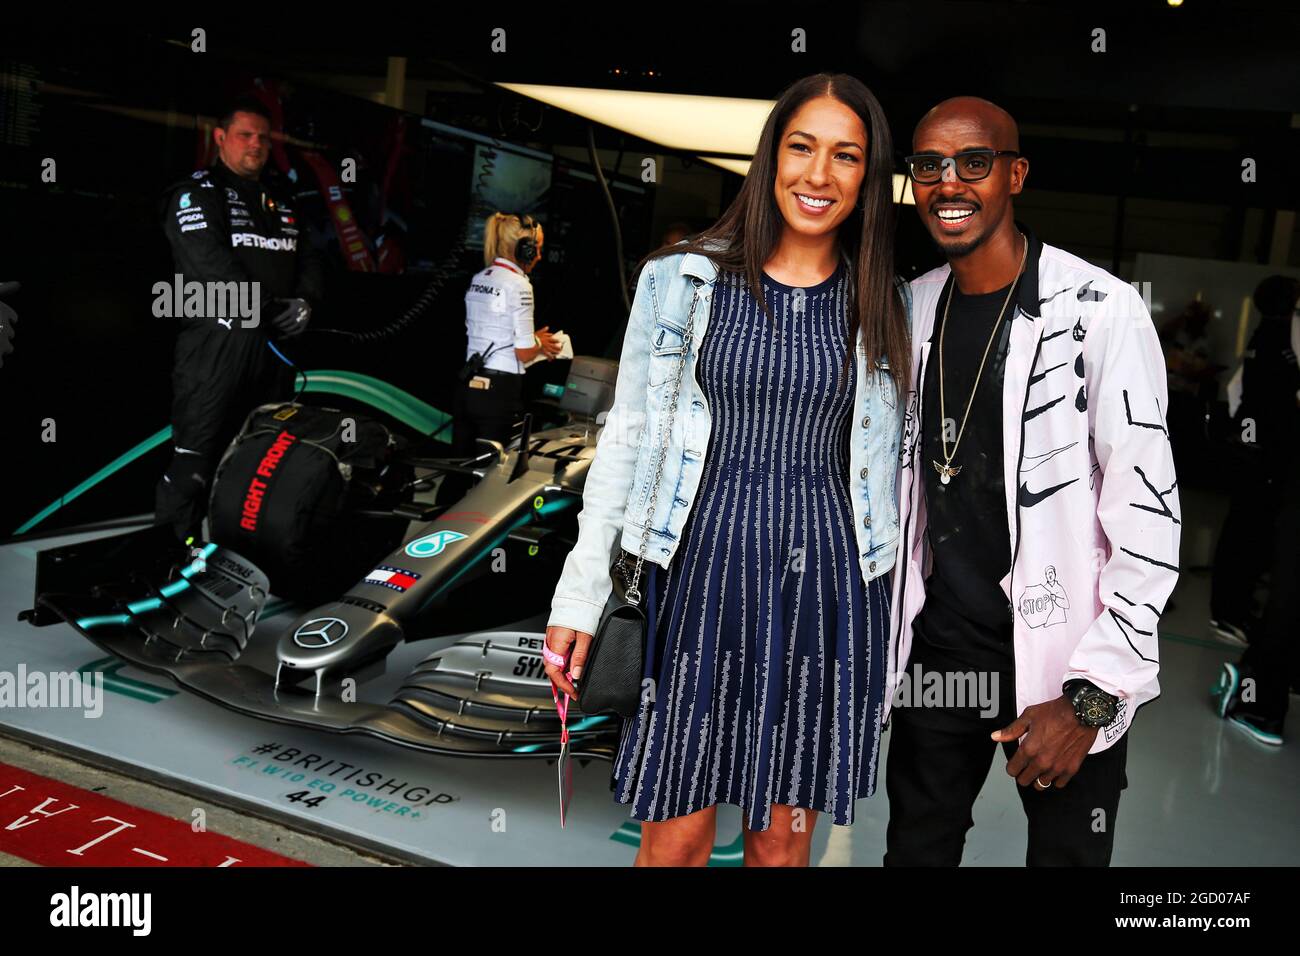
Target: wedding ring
x: 1044, y: 786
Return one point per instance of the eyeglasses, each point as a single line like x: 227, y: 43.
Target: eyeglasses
x: 970, y: 165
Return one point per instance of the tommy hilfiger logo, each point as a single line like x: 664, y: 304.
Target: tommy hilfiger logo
x: 395, y: 579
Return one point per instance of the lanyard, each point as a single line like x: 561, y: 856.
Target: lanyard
x: 563, y: 768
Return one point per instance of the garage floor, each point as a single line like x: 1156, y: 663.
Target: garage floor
x: 1201, y: 793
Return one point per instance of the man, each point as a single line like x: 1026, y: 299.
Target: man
x: 227, y: 225
x: 1263, y: 525
x: 1039, y: 515
x: 1266, y: 415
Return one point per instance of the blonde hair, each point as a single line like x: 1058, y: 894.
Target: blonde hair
x: 501, y: 231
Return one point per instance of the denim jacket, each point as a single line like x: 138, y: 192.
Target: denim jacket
x: 616, y: 494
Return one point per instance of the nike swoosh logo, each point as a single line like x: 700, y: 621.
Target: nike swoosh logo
x: 1028, y: 499
x: 1089, y: 294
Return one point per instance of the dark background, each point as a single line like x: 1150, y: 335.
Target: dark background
x: 1137, y: 149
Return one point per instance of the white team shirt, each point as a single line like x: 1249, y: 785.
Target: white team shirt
x: 499, y: 315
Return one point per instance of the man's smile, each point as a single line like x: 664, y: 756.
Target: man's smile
x: 953, y: 216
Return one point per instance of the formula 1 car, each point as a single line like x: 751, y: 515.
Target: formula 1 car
x: 199, y: 614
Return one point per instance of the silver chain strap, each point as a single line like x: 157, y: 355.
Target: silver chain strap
x: 633, y: 594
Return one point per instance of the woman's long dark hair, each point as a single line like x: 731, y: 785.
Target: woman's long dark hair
x: 751, y: 227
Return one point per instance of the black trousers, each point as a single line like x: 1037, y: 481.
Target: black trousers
x: 938, y: 761
x: 481, y: 413
x: 1271, y: 656
x: 217, y: 379
x: 1240, y: 557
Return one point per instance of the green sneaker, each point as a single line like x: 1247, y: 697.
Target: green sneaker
x: 1225, y: 689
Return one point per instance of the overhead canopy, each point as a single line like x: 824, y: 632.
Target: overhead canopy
x: 722, y: 130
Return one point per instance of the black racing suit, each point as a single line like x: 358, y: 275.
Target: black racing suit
x: 225, y: 228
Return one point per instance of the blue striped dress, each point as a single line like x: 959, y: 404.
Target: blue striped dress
x: 766, y: 649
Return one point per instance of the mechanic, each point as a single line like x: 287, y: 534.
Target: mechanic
x: 229, y: 224
x: 499, y: 328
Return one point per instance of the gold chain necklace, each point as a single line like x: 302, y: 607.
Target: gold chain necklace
x: 946, y: 471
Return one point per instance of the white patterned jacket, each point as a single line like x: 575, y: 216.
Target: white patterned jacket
x: 1092, y: 500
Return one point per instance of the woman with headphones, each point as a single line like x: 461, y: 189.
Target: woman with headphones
x: 499, y: 326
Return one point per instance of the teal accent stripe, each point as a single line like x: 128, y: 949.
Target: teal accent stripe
x: 88, y: 622
x: 114, y: 466
x: 557, y: 505
x: 378, y: 394
x: 583, y: 724
x: 126, y: 686
x: 272, y: 608
x: 173, y: 589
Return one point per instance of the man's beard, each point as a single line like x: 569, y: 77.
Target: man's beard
x: 964, y: 247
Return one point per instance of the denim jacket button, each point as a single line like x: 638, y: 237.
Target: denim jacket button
x: 866, y: 421
x: 872, y: 567
x: 866, y: 522
x: 864, y: 472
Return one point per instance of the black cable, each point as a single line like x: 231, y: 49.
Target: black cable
x: 297, y: 371
x: 444, y: 270
x: 613, y: 214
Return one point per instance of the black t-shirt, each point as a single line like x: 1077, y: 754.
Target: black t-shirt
x: 966, y: 622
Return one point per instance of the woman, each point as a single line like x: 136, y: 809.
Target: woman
x: 499, y: 327
x: 775, y: 520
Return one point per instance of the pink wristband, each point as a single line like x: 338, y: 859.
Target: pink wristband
x: 550, y: 656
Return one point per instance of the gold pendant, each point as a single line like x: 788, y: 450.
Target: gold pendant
x: 946, y: 472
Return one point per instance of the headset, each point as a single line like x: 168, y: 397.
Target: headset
x: 526, y: 246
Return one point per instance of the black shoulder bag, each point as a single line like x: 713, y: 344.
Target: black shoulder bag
x: 611, y: 680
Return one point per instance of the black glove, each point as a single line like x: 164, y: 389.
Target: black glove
x: 7, y: 319
x: 292, y: 320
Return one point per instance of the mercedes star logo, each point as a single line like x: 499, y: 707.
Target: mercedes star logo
x: 321, y: 632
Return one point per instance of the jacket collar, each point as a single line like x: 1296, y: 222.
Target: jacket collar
x: 1027, y: 297
x: 222, y: 173
x: 700, y: 266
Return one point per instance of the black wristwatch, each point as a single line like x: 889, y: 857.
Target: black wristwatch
x: 1092, y: 705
